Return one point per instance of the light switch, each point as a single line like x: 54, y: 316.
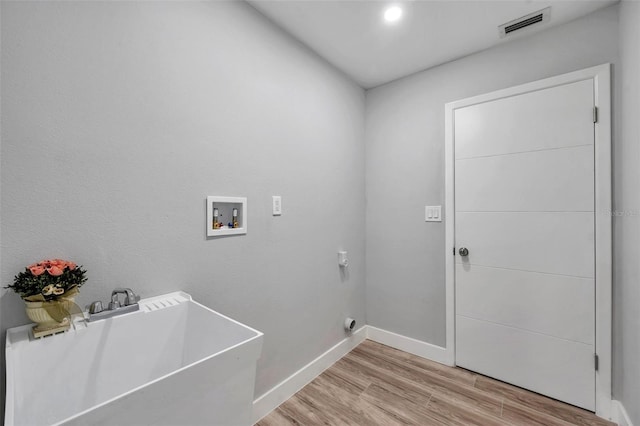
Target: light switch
x: 433, y: 213
x: 277, y: 205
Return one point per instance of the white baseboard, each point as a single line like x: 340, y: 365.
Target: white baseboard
x: 407, y: 344
x: 619, y: 414
x: 292, y: 384
x: 288, y: 387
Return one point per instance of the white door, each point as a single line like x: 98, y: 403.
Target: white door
x: 524, y: 210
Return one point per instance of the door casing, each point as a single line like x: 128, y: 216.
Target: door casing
x: 601, y: 76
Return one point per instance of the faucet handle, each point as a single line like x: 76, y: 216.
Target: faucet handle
x: 96, y: 307
x: 130, y: 297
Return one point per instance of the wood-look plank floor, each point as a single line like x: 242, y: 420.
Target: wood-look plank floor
x: 378, y: 385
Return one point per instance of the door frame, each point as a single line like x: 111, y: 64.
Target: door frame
x: 601, y: 76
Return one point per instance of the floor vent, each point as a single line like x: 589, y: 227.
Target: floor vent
x: 524, y: 22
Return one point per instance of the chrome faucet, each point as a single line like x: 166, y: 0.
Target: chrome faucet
x: 97, y: 311
x: 129, y: 298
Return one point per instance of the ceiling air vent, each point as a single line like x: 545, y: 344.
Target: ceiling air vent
x: 527, y: 21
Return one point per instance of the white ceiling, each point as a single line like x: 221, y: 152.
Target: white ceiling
x: 353, y: 36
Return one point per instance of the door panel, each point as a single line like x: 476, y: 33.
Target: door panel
x: 550, y: 118
x: 524, y: 208
x: 549, y: 242
x: 548, y: 180
x: 545, y: 303
x: 561, y: 369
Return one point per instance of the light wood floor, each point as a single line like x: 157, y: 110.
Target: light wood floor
x: 378, y: 385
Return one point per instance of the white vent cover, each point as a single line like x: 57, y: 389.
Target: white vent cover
x: 535, y: 18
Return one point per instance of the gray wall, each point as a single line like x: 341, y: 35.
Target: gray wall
x: 405, y: 163
x: 626, y: 378
x: 119, y: 118
x: 405, y: 170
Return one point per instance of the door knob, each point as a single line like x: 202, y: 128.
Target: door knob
x: 463, y: 251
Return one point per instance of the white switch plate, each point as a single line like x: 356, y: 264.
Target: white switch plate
x: 277, y: 205
x: 433, y: 213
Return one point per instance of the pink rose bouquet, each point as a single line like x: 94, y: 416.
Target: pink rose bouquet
x: 49, y: 280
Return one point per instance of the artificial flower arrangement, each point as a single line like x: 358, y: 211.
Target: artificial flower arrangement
x: 48, y: 289
x: 49, y: 280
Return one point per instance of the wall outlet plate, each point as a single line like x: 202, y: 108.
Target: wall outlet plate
x: 277, y: 205
x: 433, y: 214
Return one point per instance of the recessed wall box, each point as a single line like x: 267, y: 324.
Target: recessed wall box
x: 226, y: 216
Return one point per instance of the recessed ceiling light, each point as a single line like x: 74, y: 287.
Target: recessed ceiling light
x: 392, y: 14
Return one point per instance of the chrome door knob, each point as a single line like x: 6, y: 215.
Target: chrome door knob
x: 463, y: 251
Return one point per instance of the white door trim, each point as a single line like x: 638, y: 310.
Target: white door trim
x: 602, y: 91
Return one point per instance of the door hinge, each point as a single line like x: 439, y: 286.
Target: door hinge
x: 595, y: 114
x: 596, y: 360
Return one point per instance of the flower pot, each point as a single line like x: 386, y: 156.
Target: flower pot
x: 43, y: 313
